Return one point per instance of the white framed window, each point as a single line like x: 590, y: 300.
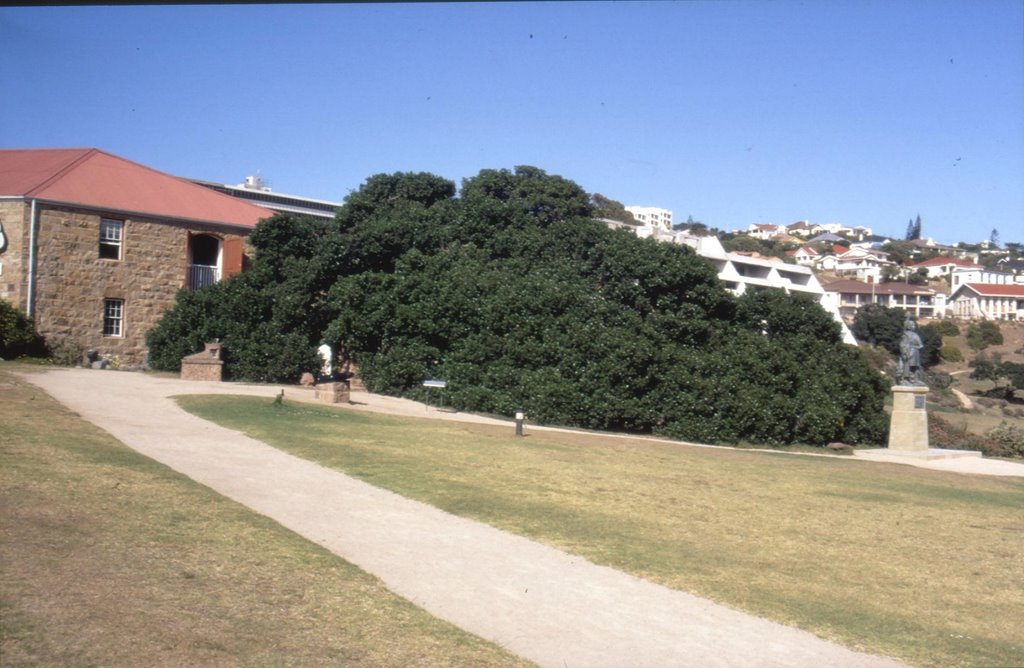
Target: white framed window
x: 111, y: 236
x: 113, y: 317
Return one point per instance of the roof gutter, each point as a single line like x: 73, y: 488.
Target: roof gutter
x: 139, y: 214
x: 31, y: 293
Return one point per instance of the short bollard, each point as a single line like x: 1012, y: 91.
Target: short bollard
x: 520, y: 416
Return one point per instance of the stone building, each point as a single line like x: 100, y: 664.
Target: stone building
x: 96, y: 247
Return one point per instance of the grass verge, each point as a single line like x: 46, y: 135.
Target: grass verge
x: 108, y: 558
x: 911, y: 563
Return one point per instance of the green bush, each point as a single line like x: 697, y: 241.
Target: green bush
x: 943, y: 434
x: 1009, y: 437
x: 18, y: 335
x: 983, y: 334
x: 880, y: 326
x: 946, y: 327
x: 950, y: 353
x: 67, y: 353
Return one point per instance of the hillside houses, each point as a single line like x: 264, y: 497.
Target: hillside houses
x: 805, y: 230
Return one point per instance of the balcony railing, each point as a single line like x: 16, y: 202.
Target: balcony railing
x: 201, y: 275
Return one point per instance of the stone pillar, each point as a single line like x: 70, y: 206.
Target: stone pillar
x: 206, y: 365
x: 908, y: 428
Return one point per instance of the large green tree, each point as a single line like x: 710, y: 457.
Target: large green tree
x: 529, y: 303
x: 517, y: 297
x: 880, y: 326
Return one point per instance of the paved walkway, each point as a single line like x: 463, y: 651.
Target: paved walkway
x: 553, y: 608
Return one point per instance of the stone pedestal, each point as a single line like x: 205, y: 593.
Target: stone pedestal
x: 332, y: 393
x: 908, y: 429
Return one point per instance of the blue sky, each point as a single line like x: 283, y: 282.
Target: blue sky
x: 732, y: 111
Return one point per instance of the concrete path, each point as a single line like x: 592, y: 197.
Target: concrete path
x: 553, y: 608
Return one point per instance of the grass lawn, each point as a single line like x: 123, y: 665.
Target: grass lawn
x: 920, y: 565
x: 110, y: 559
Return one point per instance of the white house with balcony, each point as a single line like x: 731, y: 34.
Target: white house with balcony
x: 765, y: 231
x: 847, y: 296
x: 863, y: 264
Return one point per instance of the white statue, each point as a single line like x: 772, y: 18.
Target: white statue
x: 327, y: 355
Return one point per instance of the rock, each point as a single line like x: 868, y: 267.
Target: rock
x: 840, y: 448
x: 307, y: 380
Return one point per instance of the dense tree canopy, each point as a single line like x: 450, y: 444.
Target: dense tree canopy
x: 519, y: 299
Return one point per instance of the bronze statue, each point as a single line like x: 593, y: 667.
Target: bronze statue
x: 908, y: 369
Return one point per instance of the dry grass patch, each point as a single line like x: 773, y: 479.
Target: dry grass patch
x: 917, y: 564
x: 108, y: 558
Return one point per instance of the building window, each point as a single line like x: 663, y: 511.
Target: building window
x: 113, y: 317
x: 110, y: 238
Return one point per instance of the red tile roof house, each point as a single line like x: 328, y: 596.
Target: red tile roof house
x: 991, y: 301
x: 944, y: 266
x: 98, y: 246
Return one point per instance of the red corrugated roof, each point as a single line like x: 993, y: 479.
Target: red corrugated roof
x: 940, y: 261
x: 996, y: 289
x: 98, y: 180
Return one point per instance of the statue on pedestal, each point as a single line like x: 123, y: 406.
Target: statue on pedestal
x: 909, y: 369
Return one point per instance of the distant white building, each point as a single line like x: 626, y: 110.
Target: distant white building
x: 765, y: 231
x: 866, y: 265
x: 651, y: 216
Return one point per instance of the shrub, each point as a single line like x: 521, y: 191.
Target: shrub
x: 1010, y: 439
x: 983, y: 334
x: 943, y: 434
x: 946, y: 328
x: 18, y: 335
x: 950, y: 353
x: 67, y: 353
x: 880, y: 326
x: 938, y: 381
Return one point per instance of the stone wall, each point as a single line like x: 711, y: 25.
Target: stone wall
x: 73, y: 281
x: 14, y: 257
